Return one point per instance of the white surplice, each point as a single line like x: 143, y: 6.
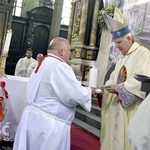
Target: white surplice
x: 52, y: 94
x: 31, y: 67
x: 22, y: 65
x: 139, y: 127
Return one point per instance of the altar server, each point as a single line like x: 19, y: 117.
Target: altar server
x: 53, y: 92
x: 23, y: 63
x: 33, y: 65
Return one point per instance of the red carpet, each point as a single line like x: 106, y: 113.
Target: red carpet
x: 81, y: 140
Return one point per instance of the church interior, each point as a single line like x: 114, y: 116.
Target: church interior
x: 32, y: 24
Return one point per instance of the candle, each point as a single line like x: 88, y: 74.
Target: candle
x: 93, y: 75
x: 7, y: 41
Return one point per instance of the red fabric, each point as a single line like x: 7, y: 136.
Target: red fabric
x: 3, y: 86
x: 39, y: 64
x: 99, y: 97
x: 1, y: 113
x: 82, y: 140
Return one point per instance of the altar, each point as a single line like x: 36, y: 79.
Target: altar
x: 15, y: 103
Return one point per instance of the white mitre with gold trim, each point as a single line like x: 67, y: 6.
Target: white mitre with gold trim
x: 117, y: 25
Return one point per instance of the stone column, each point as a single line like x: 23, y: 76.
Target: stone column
x: 56, y: 20
x: 83, y: 22
x: 94, y: 23
x: 71, y: 21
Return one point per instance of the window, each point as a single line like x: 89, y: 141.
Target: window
x: 17, y: 7
x: 66, y: 12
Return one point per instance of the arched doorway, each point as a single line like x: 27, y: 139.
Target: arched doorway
x: 40, y: 40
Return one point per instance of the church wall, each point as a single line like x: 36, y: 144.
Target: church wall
x: 18, y: 45
x: 27, y: 6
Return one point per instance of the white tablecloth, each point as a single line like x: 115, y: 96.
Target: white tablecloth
x: 16, y: 88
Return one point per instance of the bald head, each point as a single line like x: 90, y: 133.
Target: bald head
x: 39, y: 57
x: 57, y: 43
x: 60, y: 47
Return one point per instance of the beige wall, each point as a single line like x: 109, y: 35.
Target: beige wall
x: 28, y: 5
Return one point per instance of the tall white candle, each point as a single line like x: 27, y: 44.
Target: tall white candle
x: 7, y: 41
x: 93, y: 75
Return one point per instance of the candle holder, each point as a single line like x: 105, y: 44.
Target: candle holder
x: 4, y: 53
x: 3, y: 64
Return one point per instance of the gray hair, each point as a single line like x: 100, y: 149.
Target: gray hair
x: 130, y: 35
